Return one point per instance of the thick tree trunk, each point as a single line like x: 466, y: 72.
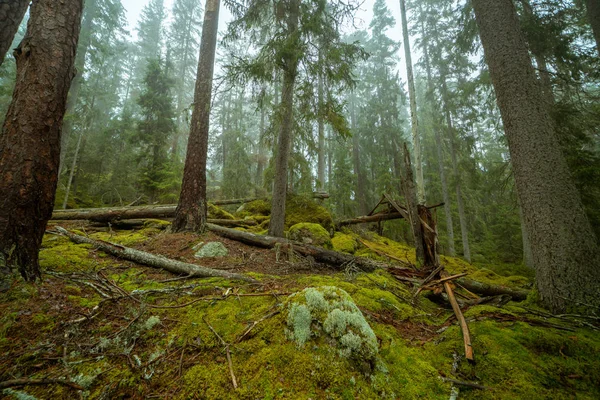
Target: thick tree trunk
x: 593, y: 14
x: 191, y: 210
x: 154, y: 261
x: 261, y: 161
x: 339, y: 260
x: 527, y: 256
x: 285, y: 130
x: 30, y: 138
x: 413, y: 106
x: 565, y: 250
x: 11, y: 15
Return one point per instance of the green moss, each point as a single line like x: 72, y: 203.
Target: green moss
x: 156, y: 223
x: 66, y: 256
x: 84, y: 301
x: 310, y: 233
x: 43, y: 322
x: 344, y: 243
x: 218, y: 213
x: 259, y: 207
x: 304, y: 209
x: 126, y: 238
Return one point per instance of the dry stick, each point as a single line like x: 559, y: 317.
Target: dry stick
x: 38, y: 382
x: 445, y: 279
x: 181, y: 358
x: 272, y: 314
x: 461, y: 319
x: 224, y: 343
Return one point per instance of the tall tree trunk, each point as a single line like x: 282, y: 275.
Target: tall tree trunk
x: 284, y: 142
x: 410, y: 194
x: 191, y: 210
x: 565, y: 251
x: 30, y: 138
x: 438, y: 143
x: 593, y: 14
x: 11, y: 15
x: 462, y: 215
x: 261, y: 161
x: 413, y: 106
x: 358, y: 173
x: 321, y: 138
x: 85, y: 38
x: 527, y: 256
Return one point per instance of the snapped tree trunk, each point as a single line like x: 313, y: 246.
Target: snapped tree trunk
x: 191, y: 210
x: 30, y: 137
x: 285, y: 130
x: 565, y: 250
x: 413, y: 106
x: 321, y: 136
x: 358, y: 173
x: 11, y: 15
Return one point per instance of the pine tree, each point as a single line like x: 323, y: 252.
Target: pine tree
x: 565, y: 250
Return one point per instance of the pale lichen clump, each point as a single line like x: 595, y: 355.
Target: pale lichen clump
x: 330, y: 310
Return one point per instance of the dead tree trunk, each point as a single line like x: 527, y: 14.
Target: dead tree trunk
x: 30, y: 137
x: 320, y: 254
x: 154, y: 261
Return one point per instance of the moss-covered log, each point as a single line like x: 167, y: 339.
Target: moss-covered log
x: 154, y: 261
x: 486, y: 289
x: 322, y: 255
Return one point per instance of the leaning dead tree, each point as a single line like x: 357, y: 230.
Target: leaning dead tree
x: 151, y: 260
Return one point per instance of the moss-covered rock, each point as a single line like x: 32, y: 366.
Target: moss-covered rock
x: 218, y: 213
x: 257, y: 207
x: 344, y: 243
x: 304, y: 209
x: 310, y: 233
x: 212, y: 249
x: 329, y: 312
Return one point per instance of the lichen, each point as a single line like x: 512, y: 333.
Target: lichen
x: 344, y: 243
x: 331, y: 310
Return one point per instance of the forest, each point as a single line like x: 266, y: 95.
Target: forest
x: 300, y: 199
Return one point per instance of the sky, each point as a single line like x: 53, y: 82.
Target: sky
x: 134, y: 8
x: 362, y: 19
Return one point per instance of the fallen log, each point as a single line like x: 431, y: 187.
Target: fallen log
x: 140, y: 223
x: 382, y: 216
x: 320, y: 254
x: 486, y: 289
x: 151, y: 260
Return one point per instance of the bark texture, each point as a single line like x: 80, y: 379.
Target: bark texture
x: 191, y: 210
x: 11, y: 15
x: 565, y: 250
x: 413, y: 106
x: 408, y: 188
x: 277, y: 223
x: 30, y: 138
x: 593, y: 13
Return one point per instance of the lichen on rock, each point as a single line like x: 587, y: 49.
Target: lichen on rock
x: 329, y: 313
x: 212, y: 249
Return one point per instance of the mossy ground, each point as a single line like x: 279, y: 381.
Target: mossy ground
x: 134, y: 349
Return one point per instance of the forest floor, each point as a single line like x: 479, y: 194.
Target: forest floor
x: 116, y: 329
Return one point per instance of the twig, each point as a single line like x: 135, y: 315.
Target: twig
x: 272, y: 314
x: 38, y: 382
x: 181, y: 358
x: 127, y: 326
x: 231, y: 368
x: 224, y: 343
